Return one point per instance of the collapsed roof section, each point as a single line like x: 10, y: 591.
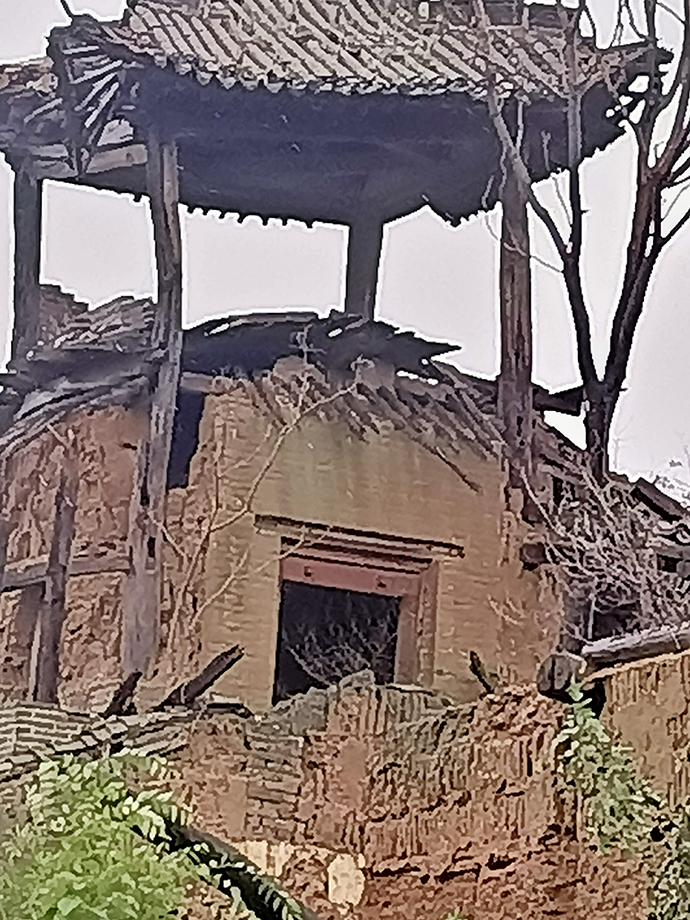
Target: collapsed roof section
x: 96, y: 357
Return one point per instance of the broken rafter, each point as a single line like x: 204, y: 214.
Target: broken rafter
x: 121, y: 702
x: 644, y: 644
x: 186, y: 693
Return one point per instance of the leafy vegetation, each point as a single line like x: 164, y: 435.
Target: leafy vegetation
x: 622, y: 811
x: 86, y: 850
x: 620, y: 808
x: 104, y: 840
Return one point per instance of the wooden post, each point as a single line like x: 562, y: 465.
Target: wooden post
x: 45, y: 664
x: 364, y: 243
x: 27, y: 260
x: 515, y: 381
x: 141, y: 606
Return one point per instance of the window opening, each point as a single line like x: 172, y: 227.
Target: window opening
x: 328, y: 633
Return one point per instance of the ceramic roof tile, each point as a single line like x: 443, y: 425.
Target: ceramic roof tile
x: 360, y: 46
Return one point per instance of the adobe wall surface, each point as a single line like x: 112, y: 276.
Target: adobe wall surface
x: 648, y: 707
x: 106, y: 443
x: 372, y: 802
x: 382, y: 482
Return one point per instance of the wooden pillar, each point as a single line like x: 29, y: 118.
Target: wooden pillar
x: 45, y: 657
x: 141, y: 614
x: 515, y: 381
x: 364, y: 243
x: 27, y: 260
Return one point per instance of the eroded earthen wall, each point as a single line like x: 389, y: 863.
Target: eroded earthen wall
x: 373, y: 802
x: 105, y: 443
x: 648, y: 707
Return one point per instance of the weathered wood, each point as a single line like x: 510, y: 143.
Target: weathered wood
x: 186, y: 693
x: 121, y: 702
x: 644, y: 644
x: 515, y: 381
x: 364, y: 243
x: 147, y: 508
x: 27, y: 260
x: 43, y: 680
x: 37, y: 572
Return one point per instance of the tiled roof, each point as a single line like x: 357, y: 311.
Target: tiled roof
x: 356, y: 46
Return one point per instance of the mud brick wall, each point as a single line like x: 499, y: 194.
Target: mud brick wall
x: 223, y: 589
x: 374, y: 802
x: 648, y: 707
x: 106, y: 444
x: 325, y: 474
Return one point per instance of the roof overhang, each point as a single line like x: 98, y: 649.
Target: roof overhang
x: 323, y: 135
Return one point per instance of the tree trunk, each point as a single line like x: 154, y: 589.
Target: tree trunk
x: 601, y: 404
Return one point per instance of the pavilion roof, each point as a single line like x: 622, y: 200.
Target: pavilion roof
x: 427, y: 47
x: 310, y: 109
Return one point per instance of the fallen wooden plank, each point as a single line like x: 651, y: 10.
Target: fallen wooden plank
x: 121, y: 702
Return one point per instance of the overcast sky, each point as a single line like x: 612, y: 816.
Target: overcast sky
x: 435, y: 279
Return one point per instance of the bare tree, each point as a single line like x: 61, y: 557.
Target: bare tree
x: 657, y: 116
x: 604, y: 546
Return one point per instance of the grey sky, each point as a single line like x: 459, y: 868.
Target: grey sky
x: 438, y: 280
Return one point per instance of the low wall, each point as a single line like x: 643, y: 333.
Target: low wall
x: 371, y: 802
x: 375, y: 801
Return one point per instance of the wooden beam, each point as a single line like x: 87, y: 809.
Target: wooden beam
x: 45, y: 669
x: 647, y: 643
x: 27, y: 260
x: 364, y: 242
x: 141, y: 605
x: 186, y: 693
x: 515, y: 381
x: 37, y: 572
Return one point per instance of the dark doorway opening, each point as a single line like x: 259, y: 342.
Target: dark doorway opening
x: 328, y: 633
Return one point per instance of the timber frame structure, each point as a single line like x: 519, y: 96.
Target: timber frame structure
x: 303, y: 110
